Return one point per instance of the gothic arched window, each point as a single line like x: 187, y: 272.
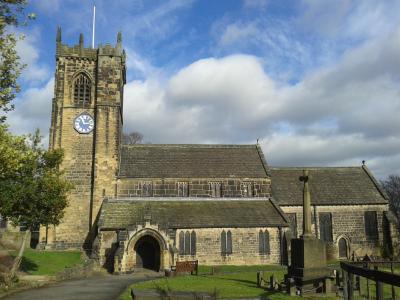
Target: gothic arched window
x: 181, y: 243
x: 263, y: 239
x: 82, y: 90
x: 226, y: 242
x: 193, y: 243
x: 187, y: 243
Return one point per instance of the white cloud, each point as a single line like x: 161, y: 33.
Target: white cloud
x: 32, y: 110
x: 28, y: 50
x: 335, y: 116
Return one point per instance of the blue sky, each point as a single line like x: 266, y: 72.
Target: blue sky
x: 316, y: 81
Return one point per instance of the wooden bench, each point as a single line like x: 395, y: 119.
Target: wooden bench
x: 191, y: 266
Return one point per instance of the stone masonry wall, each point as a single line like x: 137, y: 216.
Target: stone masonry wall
x: 347, y: 222
x: 109, y: 93
x: 78, y: 150
x: 128, y: 187
x: 245, y: 247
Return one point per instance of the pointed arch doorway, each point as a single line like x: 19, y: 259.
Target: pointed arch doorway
x: 343, y: 248
x: 148, y: 253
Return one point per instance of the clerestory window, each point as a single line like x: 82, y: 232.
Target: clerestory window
x: 183, y: 189
x: 216, y: 189
x: 82, y: 91
x: 247, y: 189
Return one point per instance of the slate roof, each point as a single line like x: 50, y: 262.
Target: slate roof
x: 328, y: 186
x: 192, y: 161
x: 190, y: 213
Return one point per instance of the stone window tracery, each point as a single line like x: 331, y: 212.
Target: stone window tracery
x: 147, y: 189
x: 183, y: 189
x: 263, y: 240
x: 226, y: 242
x: 247, y: 189
x: 325, y: 227
x: 216, y: 189
x: 82, y: 90
x: 187, y: 243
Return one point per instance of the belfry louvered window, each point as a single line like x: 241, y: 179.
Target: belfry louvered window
x: 226, y: 242
x: 187, y: 243
x: 263, y: 242
x: 82, y: 90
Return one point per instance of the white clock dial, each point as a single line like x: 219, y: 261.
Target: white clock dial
x: 84, y: 123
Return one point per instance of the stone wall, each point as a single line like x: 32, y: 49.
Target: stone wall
x: 91, y: 160
x: 347, y: 222
x: 78, y: 153
x: 128, y: 187
x: 245, y: 247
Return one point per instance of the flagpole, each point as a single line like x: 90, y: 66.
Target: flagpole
x: 94, y: 21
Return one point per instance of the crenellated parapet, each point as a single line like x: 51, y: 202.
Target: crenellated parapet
x: 82, y: 52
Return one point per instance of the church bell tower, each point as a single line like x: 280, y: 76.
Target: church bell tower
x: 86, y: 122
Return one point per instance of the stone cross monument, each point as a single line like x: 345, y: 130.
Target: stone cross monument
x: 308, y: 269
x: 306, y: 206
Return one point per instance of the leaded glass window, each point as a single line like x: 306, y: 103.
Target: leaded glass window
x: 247, y: 189
x: 226, y: 242
x: 147, y: 189
x: 183, y: 190
x: 181, y: 243
x: 371, y: 225
x: 229, y: 242
x: 325, y: 226
x: 263, y: 240
x: 216, y: 189
x: 193, y: 243
x: 187, y: 243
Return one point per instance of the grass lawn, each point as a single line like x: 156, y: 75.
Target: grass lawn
x: 231, y: 282
x: 37, y: 262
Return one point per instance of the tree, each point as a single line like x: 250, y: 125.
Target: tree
x: 132, y: 138
x: 392, y: 187
x: 32, y: 189
x: 11, y: 15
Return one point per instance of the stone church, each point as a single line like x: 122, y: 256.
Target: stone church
x: 149, y: 205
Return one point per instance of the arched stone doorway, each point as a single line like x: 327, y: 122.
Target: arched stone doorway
x: 343, y: 247
x: 148, y: 253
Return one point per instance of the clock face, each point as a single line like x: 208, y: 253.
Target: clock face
x: 84, y: 123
